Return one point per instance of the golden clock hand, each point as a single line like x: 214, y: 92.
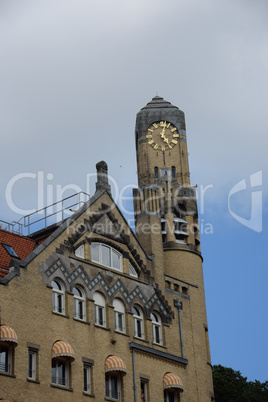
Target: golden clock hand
x: 162, y: 134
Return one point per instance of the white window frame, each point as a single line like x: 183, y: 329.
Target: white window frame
x: 100, y: 310
x: 79, y: 303
x: 119, y: 315
x: 57, y: 295
x: 156, y: 327
x: 6, y: 366
x: 32, y: 364
x: 132, y: 271
x: 108, y: 386
x: 57, y: 380
x: 111, y: 251
x: 80, y: 251
x: 87, y: 378
x: 138, y: 322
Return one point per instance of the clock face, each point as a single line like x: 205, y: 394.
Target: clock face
x: 162, y: 135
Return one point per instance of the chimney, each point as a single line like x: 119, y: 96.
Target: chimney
x: 102, y: 177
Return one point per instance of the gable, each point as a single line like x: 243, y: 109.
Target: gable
x: 99, y: 212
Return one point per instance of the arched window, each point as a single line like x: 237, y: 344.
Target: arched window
x: 156, y: 173
x: 80, y: 251
x: 157, y: 328
x: 58, y: 296
x: 119, y: 315
x: 173, y: 172
x: 99, y: 302
x: 79, y: 303
x: 107, y: 256
x: 138, y: 322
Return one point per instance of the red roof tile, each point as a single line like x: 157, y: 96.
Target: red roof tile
x: 22, y: 245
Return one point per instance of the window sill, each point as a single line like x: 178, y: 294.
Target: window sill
x: 101, y: 327
x: 60, y: 314
x: 159, y: 344
x: 121, y: 333
x: 7, y: 374
x: 32, y: 380
x: 111, y: 399
x: 61, y: 387
x: 88, y: 394
x: 82, y: 321
x: 140, y: 339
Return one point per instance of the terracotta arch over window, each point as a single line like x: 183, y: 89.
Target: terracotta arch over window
x: 62, y: 349
x: 8, y: 335
x: 115, y: 364
x: 172, y: 381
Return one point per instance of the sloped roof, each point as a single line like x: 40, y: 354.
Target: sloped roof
x: 158, y: 102
x: 34, y: 251
x: 22, y: 245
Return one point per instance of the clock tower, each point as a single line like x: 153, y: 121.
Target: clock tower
x: 166, y: 222
x: 165, y: 196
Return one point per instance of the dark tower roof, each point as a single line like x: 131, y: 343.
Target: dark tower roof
x: 158, y: 102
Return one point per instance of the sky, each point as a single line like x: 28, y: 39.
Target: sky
x: 74, y: 73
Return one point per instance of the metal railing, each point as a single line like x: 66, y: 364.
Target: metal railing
x: 14, y: 227
x: 113, y: 394
x: 4, y: 367
x: 46, y: 216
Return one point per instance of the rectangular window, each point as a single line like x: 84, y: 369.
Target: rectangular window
x: 138, y: 329
x: 87, y: 387
x: 106, y: 256
x: 112, y: 385
x: 116, y: 260
x: 144, y: 391
x: 32, y: 358
x: 157, y: 335
x: 60, y: 372
x: 99, y: 315
x: 87, y: 375
x: 119, y: 321
x: 5, y: 359
x: 170, y: 396
x: 95, y: 252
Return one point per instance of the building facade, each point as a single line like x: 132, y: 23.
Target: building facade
x: 96, y: 311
